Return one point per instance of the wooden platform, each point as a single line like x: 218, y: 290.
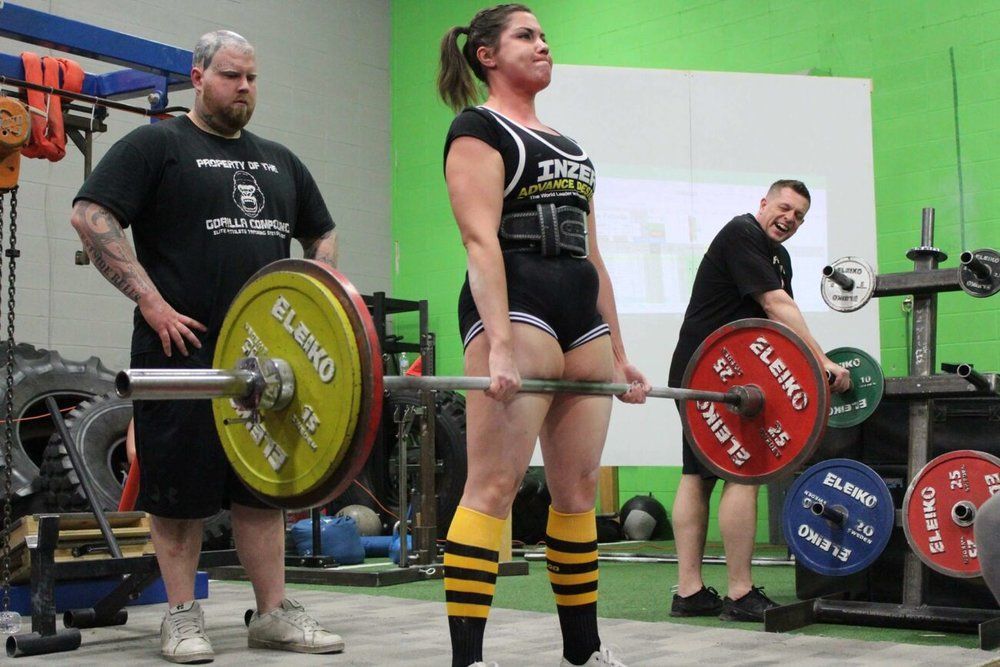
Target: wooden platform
x: 80, y: 538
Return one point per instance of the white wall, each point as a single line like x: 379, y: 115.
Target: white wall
x: 678, y: 154
x: 323, y: 92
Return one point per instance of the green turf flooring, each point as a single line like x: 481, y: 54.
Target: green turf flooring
x: 641, y: 591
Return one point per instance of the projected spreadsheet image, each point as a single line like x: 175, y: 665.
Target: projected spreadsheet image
x: 654, y: 233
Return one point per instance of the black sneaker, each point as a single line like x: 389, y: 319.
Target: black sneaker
x: 705, y: 602
x: 750, y: 607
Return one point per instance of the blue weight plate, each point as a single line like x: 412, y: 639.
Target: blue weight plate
x: 838, y: 517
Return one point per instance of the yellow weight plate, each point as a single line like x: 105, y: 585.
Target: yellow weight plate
x: 289, y: 457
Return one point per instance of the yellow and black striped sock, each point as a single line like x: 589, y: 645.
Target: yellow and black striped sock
x: 470, y: 576
x: 571, y: 554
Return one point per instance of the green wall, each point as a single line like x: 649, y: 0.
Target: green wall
x: 909, y: 49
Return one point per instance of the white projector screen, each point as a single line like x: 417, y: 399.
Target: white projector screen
x: 679, y: 154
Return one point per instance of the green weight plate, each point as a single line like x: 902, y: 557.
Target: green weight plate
x: 858, y: 403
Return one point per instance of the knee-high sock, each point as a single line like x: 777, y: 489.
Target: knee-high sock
x: 470, y: 576
x: 571, y: 553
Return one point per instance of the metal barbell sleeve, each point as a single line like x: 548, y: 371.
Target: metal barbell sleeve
x: 193, y: 383
x: 842, y: 279
x: 834, y: 514
x: 978, y: 267
x: 975, y: 378
x: 254, y: 383
x: 963, y: 513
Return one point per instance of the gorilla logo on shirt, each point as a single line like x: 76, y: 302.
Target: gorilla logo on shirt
x: 247, y: 194
x: 776, y: 261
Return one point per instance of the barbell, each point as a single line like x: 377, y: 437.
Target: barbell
x: 297, y: 389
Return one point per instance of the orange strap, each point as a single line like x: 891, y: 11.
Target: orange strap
x: 48, y: 136
x: 131, y: 490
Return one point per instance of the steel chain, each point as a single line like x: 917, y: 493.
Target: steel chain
x: 8, y: 436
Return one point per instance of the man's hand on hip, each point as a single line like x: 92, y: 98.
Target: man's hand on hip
x: 172, y: 327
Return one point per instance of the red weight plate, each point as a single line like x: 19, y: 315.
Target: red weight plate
x: 372, y: 375
x: 939, y: 510
x: 775, y: 442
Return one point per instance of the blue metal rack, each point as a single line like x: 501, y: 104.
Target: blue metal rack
x: 150, y: 66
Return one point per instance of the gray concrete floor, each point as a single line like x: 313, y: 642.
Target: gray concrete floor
x: 385, y: 631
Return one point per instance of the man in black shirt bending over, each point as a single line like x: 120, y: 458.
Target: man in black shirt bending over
x: 745, y: 273
x: 209, y: 204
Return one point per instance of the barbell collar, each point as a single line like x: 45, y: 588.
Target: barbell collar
x: 274, y: 384
x: 749, y: 400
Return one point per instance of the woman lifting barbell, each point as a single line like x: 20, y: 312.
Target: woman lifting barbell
x: 538, y: 302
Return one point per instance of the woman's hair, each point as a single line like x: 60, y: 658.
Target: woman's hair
x: 455, y: 86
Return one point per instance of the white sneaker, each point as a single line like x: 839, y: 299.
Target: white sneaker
x: 484, y: 664
x: 182, y: 635
x: 602, y: 658
x: 290, y: 628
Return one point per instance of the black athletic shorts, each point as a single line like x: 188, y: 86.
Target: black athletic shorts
x: 555, y: 294
x: 690, y: 464
x: 183, y: 471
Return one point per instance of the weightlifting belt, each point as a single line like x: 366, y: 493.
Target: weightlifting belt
x: 548, y: 229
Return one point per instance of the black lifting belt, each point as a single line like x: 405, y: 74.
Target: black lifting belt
x: 548, y: 230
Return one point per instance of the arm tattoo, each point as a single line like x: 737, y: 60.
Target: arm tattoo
x: 109, y: 250
x: 322, y: 248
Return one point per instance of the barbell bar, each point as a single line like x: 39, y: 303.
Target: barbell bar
x: 243, y: 385
x: 297, y: 388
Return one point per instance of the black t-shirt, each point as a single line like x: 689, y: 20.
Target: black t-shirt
x: 539, y: 167
x: 206, y: 213
x: 740, y: 262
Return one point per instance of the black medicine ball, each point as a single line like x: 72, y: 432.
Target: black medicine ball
x: 644, y: 518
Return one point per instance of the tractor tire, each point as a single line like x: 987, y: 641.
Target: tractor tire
x: 98, y: 428
x: 38, y: 374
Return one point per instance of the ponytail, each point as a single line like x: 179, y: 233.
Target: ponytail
x: 454, y: 82
x: 455, y: 85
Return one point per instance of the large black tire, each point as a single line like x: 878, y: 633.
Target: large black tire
x: 98, y: 428
x: 38, y: 374
x: 450, y: 455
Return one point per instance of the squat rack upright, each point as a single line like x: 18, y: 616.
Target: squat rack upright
x: 920, y: 388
